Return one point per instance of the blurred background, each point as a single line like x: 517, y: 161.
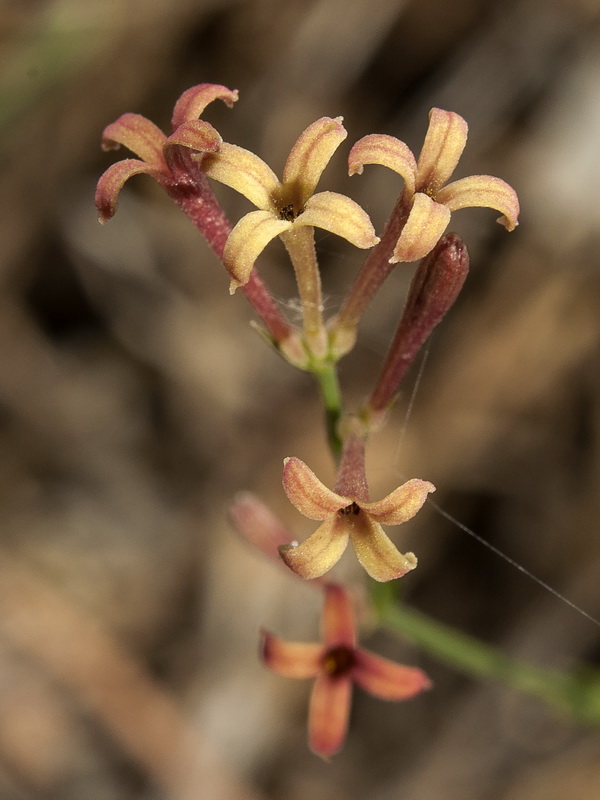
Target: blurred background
x: 135, y: 401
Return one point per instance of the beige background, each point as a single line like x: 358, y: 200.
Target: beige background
x: 135, y: 401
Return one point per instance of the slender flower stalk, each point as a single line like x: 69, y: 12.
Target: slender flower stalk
x: 369, y: 280
x: 336, y: 664
x: 300, y: 245
x: 434, y: 289
x: 331, y: 398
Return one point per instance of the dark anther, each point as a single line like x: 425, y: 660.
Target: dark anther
x: 353, y: 508
x: 287, y: 213
x: 338, y: 660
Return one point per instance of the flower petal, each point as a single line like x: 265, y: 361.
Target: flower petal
x: 339, y: 214
x: 290, y: 659
x: 320, y: 552
x: 424, y: 227
x: 111, y: 182
x: 378, y: 148
x: 305, y: 491
x: 386, y: 679
x: 400, y: 505
x: 193, y: 101
x: 309, y: 156
x: 444, y: 142
x: 258, y: 525
x: 380, y: 558
x: 247, y: 241
x: 137, y: 134
x: 246, y: 173
x: 338, y: 618
x: 486, y: 192
x: 196, y: 135
x: 328, y: 714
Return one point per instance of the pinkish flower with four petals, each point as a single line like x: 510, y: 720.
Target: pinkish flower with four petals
x: 336, y: 664
x: 159, y: 155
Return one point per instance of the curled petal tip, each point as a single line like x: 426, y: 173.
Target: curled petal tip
x: 379, y: 148
x: 247, y: 241
x: 402, y: 504
x: 318, y: 554
x: 112, y: 180
x: 310, y: 155
x: 342, y: 216
x: 307, y: 493
x: 508, y: 224
x: 137, y: 134
x: 193, y: 101
x: 483, y: 191
x: 378, y: 555
x: 444, y: 143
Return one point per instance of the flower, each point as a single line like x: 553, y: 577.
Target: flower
x: 159, y: 155
x: 336, y: 664
x: 349, y: 517
x: 429, y: 201
x: 288, y: 204
x: 256, y: 523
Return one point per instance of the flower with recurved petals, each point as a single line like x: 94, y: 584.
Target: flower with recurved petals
x: 349, y: 518
x: 428, y: 200
x: 336, y: 664
x: 290, y: 203
x: 158, y: 153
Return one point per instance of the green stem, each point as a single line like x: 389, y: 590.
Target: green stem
x: 576, y: 694
x: 326, y: 375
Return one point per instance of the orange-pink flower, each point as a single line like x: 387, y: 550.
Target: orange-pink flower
x: 428, y: 198
x: 336, y: 664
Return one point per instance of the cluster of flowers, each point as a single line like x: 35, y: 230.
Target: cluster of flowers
x: 184, y: 163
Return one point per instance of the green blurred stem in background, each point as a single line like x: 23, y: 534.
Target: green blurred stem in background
x: 577, y: 694
x: 329, y: 386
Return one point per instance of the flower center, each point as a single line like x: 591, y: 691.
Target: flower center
x: 288, y: 213
x: 432, y: 188
x: 338, y: 660
x: 353, y: 508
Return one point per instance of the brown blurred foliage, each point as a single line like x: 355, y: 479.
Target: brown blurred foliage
x: 135, y: 401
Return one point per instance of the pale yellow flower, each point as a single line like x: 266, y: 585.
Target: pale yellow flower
x: 288, y: 204
x: 429, y: 199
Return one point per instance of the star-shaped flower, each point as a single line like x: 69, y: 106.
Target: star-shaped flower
x: 336, y: 664
x: 429, y: 201
x: 158, y: 153
x: 347, y: 518
x: 288, y: 204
